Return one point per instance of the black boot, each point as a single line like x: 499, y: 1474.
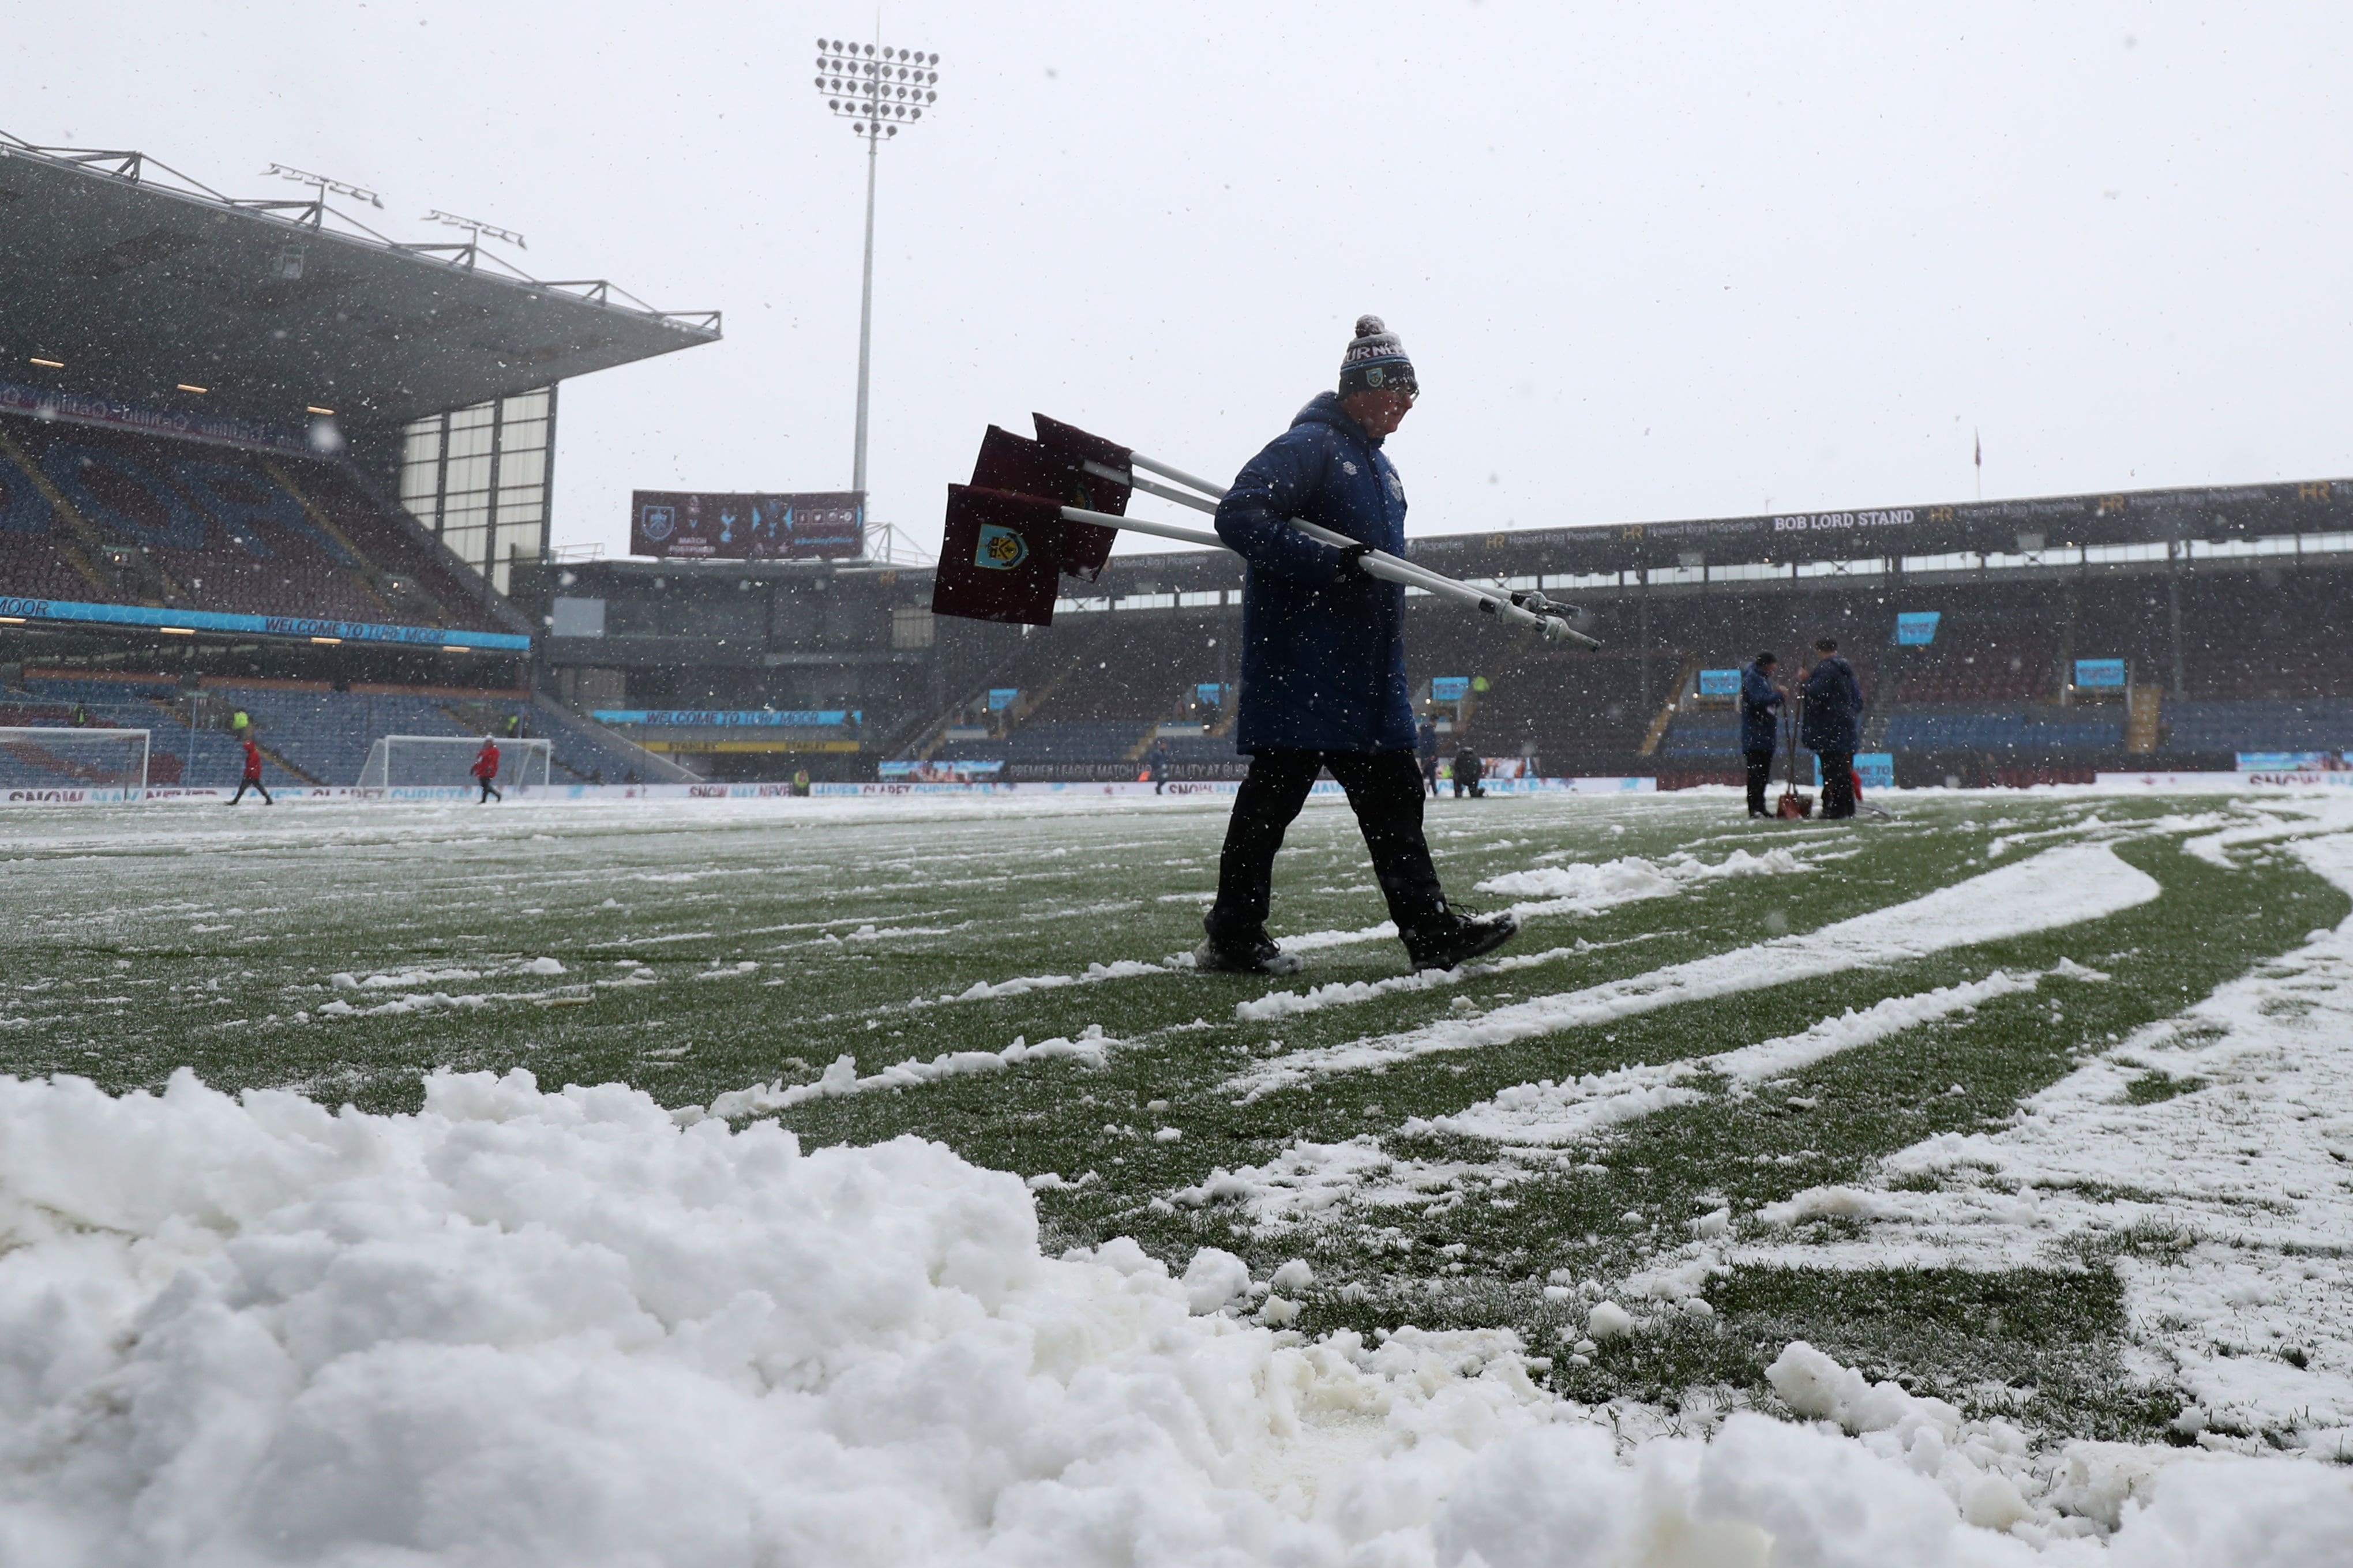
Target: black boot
x: 1256, y: 956
x: 1455, y: 939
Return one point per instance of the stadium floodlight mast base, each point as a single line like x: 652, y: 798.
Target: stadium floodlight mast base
x: 41, y: 757
x: 443, y: 762
x: 878, y: 90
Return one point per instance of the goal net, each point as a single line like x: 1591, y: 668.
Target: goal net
x: 109, y: 763
x: 415, y: 761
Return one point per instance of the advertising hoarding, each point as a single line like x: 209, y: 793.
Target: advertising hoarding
x: 1450, y: 688
x: 730, y: 718
x: 1916, y: 628
x: 2292, y: 761
x: 959, y: 770
x: 1875, y: 769
x: 709, y: 525
x: 1719, y: 683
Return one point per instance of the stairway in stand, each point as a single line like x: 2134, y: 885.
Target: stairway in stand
x: 2144, y: 708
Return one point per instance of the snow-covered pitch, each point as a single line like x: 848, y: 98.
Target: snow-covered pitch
x: 1973, y: 1189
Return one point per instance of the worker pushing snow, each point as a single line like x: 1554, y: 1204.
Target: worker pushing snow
x: 1323, y: 678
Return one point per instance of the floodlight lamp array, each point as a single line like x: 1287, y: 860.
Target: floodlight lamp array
x: 325, y: 183
x: 877, y: 88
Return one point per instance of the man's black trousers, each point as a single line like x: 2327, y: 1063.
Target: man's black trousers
x: 1384, y: 789
x: 1837, y: 783
x: 1760, y: 774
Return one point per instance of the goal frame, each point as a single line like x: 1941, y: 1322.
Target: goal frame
x: 66, y: 732
x: 527, y: 774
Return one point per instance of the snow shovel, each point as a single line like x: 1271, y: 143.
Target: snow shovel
x: 1004, y: 548
x: 1792, y: 805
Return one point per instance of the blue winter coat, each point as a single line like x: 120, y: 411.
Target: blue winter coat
x: 1323, y: 653
x: 1761, y: 716
x: 1831, y: 718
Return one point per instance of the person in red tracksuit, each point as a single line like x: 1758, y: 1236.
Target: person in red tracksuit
x: 486, y: 768
x: 252, y: 779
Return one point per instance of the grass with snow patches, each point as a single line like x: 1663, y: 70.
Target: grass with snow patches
x: 705, y: 953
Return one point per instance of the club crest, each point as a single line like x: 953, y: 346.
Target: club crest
x: 1000, y: 548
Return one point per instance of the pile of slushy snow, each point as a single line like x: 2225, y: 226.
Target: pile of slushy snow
x: 519, y: 1328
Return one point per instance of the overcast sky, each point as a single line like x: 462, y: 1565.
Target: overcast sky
x: 1650, y: 262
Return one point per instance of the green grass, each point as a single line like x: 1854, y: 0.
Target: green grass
x: 195, y: 937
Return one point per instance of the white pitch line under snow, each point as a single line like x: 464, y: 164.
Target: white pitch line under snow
x: 2062, y: 887
x: 1553, y: 1114
x: 1343, y: 993
x: 2248, y: 1163
x: 1021, y: 985
x: 841, y: 1077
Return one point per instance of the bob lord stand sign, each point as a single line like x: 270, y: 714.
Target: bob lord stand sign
x: 706, y: 525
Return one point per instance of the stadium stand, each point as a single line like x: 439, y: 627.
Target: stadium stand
x: 327, y: 734
x: 1998, y: 732
x: 177, y: 755
x: 2260, y: 724
x: 1198, y: 750
x: 309, y: 732
x: 92, y: 514
x: 1989, y: 700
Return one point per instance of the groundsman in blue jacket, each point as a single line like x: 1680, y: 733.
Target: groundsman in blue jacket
x: 1830, y: 721
x: 1323, y: 672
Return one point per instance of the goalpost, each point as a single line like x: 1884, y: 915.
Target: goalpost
x: 102, y: 762
x: 412, y: 762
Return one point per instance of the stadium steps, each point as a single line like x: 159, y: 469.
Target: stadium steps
x: 1666, y: 715
x: 270, y: 756
x: 87, y: 544
x: 1465, y: 709
x: 936, y: 734
x: 326, y: 525
x: 488, y: 599
x: 1887, y: 683
x: 1229, y: 712
x: 2144, y: 714
x: 585, y: 748
x: 1020, y: 713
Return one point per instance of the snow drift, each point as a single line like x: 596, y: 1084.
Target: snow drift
x: 521, y: 1328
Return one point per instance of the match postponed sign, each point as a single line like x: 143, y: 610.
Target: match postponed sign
x: 704, y: 525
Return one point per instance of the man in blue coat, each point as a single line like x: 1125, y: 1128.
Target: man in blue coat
x: 1830, y: 724
x: 1760, y: 726
x: 1322, y: 673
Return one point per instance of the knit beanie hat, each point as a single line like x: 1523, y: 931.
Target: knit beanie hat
x: 1376, y: 360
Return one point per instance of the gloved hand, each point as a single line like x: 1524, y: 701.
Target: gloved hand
x: 1352, y: 563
